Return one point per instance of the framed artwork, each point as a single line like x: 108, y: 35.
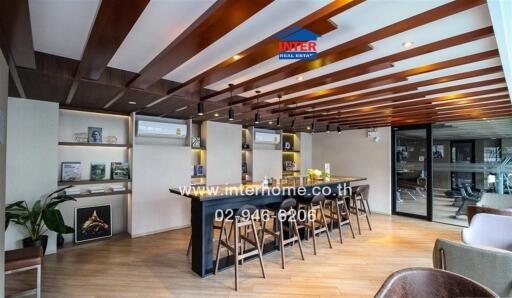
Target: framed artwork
x: 196, y: 142
x: 287, y: 146
x: 119, y: 170
x: 438, y: 151
x: 93, y: 223
x: 97, y: 171
x: 95, y: 135
x: 71, y: 171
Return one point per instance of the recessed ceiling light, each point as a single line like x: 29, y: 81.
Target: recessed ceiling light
x: 270, y: 122
x: 216, y: 114
x: 299, y: 78
x: 132, y: 103
x: 236, y: 57
x: 308, y: 128
x: 407, y: 44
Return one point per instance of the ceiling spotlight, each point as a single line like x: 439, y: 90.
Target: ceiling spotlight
x: 216, y: 115
x: 257, y: 117
x: 338, y: 129
x: 132, y: 103
x: 407, y: 44
x: 200, y: 108
x: 231, y: 114
x: 236, y: 57
x: 299, y: 78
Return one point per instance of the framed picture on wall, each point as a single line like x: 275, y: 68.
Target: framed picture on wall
x: 95, y: 135
x: 92, y: 223
x: 438, y: 151
x: 70, y: 171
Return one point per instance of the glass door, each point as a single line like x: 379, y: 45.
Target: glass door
x: 412, y: 157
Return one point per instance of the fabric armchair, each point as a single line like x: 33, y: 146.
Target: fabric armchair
x: 489, y: 266
x: 489, y: 230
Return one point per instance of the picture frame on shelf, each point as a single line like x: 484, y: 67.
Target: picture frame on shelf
x: 196, y: 142
x: 98, y: 170
x: 95, y: 135
x: 287, y: 145
x: 119, y: 171
x: 93, y: 223
x: 71, y: 171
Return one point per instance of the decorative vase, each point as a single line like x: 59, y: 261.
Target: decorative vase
x: 42, y: 241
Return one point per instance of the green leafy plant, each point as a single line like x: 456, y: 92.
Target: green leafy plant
x: 317, y: 174
x: 43, y: 215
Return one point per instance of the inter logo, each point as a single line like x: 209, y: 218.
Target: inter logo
x: 297, y: 44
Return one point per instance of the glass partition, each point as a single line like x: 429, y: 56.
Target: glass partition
x: 471, y: 166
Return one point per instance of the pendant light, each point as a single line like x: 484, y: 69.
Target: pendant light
x: 293, y: 124
x: 327, y: 128
x: 257, y: 116
x: 338, y: 129
x: 231, y: 112
x: 278, y: 122
x: 200, y: 108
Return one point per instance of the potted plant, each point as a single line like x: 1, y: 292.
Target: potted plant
x: 42, y: 216
x: 315, y: 174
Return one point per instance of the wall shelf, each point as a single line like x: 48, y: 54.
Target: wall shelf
x: 94, y: 145
x: 198, y: 148
x: 291, y: 151
x: 101, y: 194
x: 198, y: 176
x: 84, y: 182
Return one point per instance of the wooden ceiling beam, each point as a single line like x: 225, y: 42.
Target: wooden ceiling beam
x: 218, y: 20
x: 17, y: 33
x: 396, y: 89
x: 393, y: 29
x: 113, y: 22
x: 317, y: 22
x: 403, y: 97
x: 367, y: 67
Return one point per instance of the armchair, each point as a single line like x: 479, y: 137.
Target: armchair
x: 489, y: 230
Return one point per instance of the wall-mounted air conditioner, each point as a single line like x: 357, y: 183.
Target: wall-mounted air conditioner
x: 161, y: 129
x: 267, y: 138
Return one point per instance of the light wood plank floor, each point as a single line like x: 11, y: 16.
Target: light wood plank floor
x: 156, y: 266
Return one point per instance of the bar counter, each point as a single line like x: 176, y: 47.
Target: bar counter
x: 204, y: 203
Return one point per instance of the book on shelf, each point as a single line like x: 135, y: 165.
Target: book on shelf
x: 116, y: 188
x: 72, y: 191
x: 119, y: 171
x: 70, y: 171
x: 96, y: 189
x: 97, y: 171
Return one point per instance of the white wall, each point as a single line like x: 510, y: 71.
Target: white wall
x: 352, y: 154
x: 266, y: 162
x: 32, y: 159
x: 306, y: 152
x: 223, y: 152
x: 4, y: 84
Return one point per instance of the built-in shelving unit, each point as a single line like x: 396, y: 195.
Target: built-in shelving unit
x: 72, y: 147
x: 198, y: 155
x: 291, y: 154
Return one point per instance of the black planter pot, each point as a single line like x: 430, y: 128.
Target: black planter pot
x: 42, y: 241
x: 60, y: 241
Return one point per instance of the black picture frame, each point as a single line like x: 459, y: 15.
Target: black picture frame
x: 95, y: 135
x: 93, y: 223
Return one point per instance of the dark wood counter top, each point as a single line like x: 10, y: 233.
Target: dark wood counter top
x: 204, y: 193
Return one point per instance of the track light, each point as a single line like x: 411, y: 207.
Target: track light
x: 257, y: 117
x: 200, y: 108
x: 231, y: 114
x: 338, y: 129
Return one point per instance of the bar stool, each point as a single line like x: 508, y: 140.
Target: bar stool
x: 285, y: 208
x: 358, y: 205
x: 216, y: 226
x: 339, y: 213
x: 244, y: 217
x: 315, y: 203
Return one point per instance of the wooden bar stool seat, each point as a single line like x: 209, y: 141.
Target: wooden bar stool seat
x: 315, y: 203
x: 25, y: 259
x: 243, y: 219
x: 359, y: 204
x: 282, y: 210
x: 339, y: 213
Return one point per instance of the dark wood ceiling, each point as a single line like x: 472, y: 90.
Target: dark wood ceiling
x: 90, y: 84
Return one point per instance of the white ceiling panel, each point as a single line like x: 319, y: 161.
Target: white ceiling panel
x: 160, y: 23
x: 61, y: 27
x: 281, y: 12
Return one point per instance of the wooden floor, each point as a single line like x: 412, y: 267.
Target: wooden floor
x: 156, y: 266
